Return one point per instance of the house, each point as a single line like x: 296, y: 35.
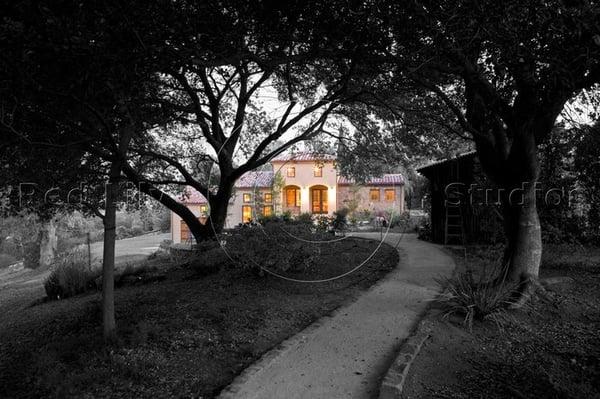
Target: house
x: 298, y: 183
x: 460, y: 212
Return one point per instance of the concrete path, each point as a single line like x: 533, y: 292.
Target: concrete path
x: 346, y: 356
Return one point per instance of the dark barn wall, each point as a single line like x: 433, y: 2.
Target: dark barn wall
x: 465, y: 170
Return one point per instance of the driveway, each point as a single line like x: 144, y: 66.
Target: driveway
x: 133, y: 248
x: 19, y: 287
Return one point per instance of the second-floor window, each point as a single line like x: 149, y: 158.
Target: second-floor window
x: 268, y: 198
x: 318, y: 171
x: 291, y: 171
x: 247, y: 197
x: 374, y: 194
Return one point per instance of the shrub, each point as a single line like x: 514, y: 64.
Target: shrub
x: 424, y: 230
x: 123, y: 232
x: 286, y: 216
x: 164, y: 220
x: 6, y: 260
x: 31, y: 255
x: 475, y: 298
x: 71, y: 275
x: 304, y: 218
x: 10, y: 247
x: 276, y: 246
x: 340, y: 219
x: 136, y: 230
x: 210, y: 261
x: 323, y: 223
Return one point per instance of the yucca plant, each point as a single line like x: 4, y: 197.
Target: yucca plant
x: 475, y: 298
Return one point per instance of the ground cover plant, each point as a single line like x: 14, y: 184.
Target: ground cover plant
x: 548, y: 349
x: 186, y: 336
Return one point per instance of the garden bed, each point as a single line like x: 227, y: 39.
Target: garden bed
x: 550, y: 349
x: 183, y: 337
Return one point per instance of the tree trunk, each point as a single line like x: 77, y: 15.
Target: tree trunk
x: 48, y: 243
x: 108, y: 256
x: 523, y: 252
x: 518, y: 177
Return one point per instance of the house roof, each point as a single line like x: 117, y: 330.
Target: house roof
x: 394, y: 179
x: 255, y: 179
x: 443, y: 161
x: 192, y: 196
x: 303, y: 157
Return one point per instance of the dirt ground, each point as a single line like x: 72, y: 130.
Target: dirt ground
x: 551, y: 349
x: 182, y: 337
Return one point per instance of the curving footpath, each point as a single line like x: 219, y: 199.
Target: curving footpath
x: 347, y: 354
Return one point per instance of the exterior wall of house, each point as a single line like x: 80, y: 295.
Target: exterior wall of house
x: 234, y: 213
x: 349, y: 196
x: 305, y: 179
x: 359, y: 198
x: 176, y: 221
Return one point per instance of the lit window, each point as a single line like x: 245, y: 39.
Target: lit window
x: 268, y: 197
x: 374, y: 194
x: 246, y: 214
x: 318, y: 171
x: 267, y: 210
x: 291, y: 171
x: 203, y: 208
x: 247, y: 197
x: 292, y: 197
x: 390, y: 195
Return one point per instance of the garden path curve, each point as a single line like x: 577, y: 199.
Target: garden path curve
x: 346, y: 355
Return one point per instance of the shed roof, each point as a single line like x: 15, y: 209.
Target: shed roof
x: 442, y: 162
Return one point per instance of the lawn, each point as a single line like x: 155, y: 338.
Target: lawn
x: 550, y: 349
x: 187, y: 336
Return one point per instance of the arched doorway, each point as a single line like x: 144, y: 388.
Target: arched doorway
x: 291, y: 199
x: 318, y: 199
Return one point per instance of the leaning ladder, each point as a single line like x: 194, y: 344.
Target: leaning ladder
x: 454, y: 230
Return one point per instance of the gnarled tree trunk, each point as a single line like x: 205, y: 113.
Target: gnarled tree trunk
x: 517, y: 174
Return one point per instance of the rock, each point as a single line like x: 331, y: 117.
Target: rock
x: 556, y: 280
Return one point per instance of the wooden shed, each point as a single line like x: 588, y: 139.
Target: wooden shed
x: 458, y: 217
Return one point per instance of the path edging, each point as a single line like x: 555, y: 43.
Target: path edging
x: 393, y: 381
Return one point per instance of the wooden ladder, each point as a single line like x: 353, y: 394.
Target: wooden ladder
x: 454, y: 229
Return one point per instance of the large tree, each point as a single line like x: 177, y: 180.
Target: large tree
x: 76, y: 89
x: 504, y: 71
x: 286, y: 51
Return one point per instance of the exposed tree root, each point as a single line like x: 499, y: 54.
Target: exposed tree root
x: 529, y: 288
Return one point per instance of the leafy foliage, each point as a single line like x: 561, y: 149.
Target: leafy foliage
x: 71, y: 275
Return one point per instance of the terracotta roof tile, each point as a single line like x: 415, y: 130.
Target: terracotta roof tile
x: 303, y: 156
x: 255, y: 179
x: 385, y: 180
x: 192, y: 196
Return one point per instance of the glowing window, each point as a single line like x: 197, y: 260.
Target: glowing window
x: 247, y: 197
x: 246, y: 214
x: 390, y: 195
x: 292, y: 197
x: 267, y: 210
x: 374, y: 194
x: 268, y: 198
x: 318, y: 171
